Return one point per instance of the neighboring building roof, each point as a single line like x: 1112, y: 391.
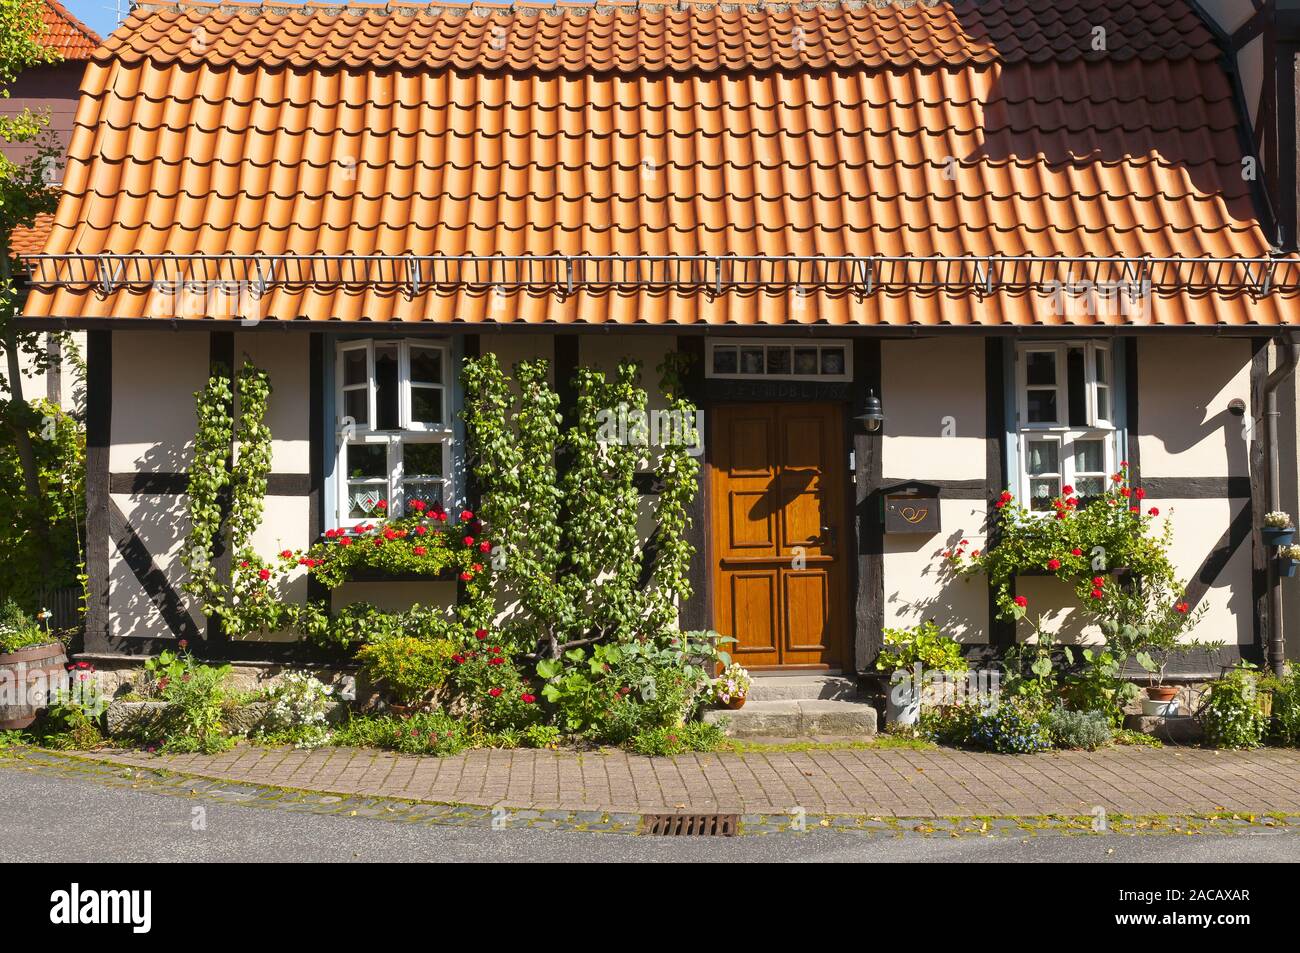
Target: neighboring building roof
x: 31, y: 240
x: 65, y: 33
x: 817, y: 130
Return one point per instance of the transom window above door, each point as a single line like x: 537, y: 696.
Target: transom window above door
x: 767, y: 359
x: 394, y: 427
x: 1065, y: 421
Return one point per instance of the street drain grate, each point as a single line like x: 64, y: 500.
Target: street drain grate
x: 690, y: 825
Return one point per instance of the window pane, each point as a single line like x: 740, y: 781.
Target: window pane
x: 833, y: 360
x: 1044, y: 457
x: 1089, y: 488
x: 427, y: 491
x: 367, y: 479
x: 356, y: 404
x: 426, y: 365
x: 1040, y: 368
x: 751, y: 360
x: 354, y: 366
x: 367, y: 461
x: 724, y: 360
x: 1103, y: 403
x: 386, y: 387
x: 1075, y: 371
x: 805, y: 360
x: 421, y: 460
x: 1089, y: 456
x: 778, y: 360
x: 426, y: 405
x: 1042, y: 406
x: 1099, y: 360
x: 1042, y: 490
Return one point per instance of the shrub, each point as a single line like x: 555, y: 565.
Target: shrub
x: 195, y: 694
x: 487, y: 687
x: 948, y: 724
x: 1286, y: 709
x: 693, y: 736
x: 923, y: 644
x: 18, y: 630
x: 298, y: 707
x: 1231, y: 716
x: 1011, y: 728
x: 435, y: 733
x: 413, y: 670
x: 541, y: 736
x: 1088, y: 730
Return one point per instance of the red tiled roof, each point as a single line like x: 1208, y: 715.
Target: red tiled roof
x: 31, y: 240
x: 66, y: 34
x: 831, y: 130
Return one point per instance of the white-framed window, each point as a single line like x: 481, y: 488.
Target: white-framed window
x: 770, y: 359
x: 395, y: 430
x: 1065, y: 418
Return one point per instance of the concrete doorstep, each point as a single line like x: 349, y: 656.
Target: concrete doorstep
x: 797, y: 718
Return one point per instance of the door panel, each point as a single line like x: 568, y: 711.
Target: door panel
x: 777, y: 501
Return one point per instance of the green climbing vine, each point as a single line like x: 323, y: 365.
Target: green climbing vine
x: 677, y: 474
x: 569, y: 542
x: 209, y: 478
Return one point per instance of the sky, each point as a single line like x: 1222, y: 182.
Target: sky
x: 100, y: 15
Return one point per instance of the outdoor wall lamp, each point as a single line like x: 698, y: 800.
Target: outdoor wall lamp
x: 873, y: 415
x: 1237, y: 407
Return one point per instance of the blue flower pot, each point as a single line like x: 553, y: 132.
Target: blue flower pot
x: 1287, y: 567
x: 1277, y: 537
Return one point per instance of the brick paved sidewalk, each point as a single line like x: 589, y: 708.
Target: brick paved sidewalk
x: 896, y: 782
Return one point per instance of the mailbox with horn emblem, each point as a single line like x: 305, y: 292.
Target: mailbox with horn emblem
x: 910, y: 508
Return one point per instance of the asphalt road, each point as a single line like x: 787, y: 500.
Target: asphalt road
x: 37, y: 812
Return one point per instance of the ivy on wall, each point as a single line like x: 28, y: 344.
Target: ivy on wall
x: 569, y: 542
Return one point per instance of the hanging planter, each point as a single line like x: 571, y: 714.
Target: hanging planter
x: 1277, y: 529
x: 1288, y: 560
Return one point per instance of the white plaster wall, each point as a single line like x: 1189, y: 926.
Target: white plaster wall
x: 1228, y: 14
x: 918, y: 587
x: 284, y: 357
x: 1184, y: 387
x: 1250, y: 66
x: 1053, y: 604
x: 510, y: 349
x: 162, y: 523
x: 394, y: 596
x: 72, y: 391
x: 155, y: 377
x: 931, y: 387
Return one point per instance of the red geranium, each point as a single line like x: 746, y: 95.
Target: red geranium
x: 494, y: 692
x: 1053, y: 564
x: 527, y: 699
x: 1022, y: 601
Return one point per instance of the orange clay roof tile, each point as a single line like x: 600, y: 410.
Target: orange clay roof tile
x: 71, y: 38
x: 1028, y: 127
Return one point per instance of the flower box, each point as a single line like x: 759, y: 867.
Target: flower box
x: 1287, y: 567
x: 1277, y: 536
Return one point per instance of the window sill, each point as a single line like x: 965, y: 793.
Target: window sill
x: 374, y: 574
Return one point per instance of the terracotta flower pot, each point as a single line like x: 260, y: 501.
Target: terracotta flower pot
x: 1162, y: 693
x: 735, y: 703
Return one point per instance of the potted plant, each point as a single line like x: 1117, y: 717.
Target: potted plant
x: 1277, y: 530
x: 911, y: 656
x: 731, y: 687
x: 1288, y: 558
x: 32, y: 662
x: 1149, y: 624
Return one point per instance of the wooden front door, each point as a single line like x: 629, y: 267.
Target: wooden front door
x: 777, y: 482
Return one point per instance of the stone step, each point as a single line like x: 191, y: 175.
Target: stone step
x: 776, y: 688
x: 797, y: 718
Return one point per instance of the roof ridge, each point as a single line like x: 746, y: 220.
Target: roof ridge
x: 74, y: 22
